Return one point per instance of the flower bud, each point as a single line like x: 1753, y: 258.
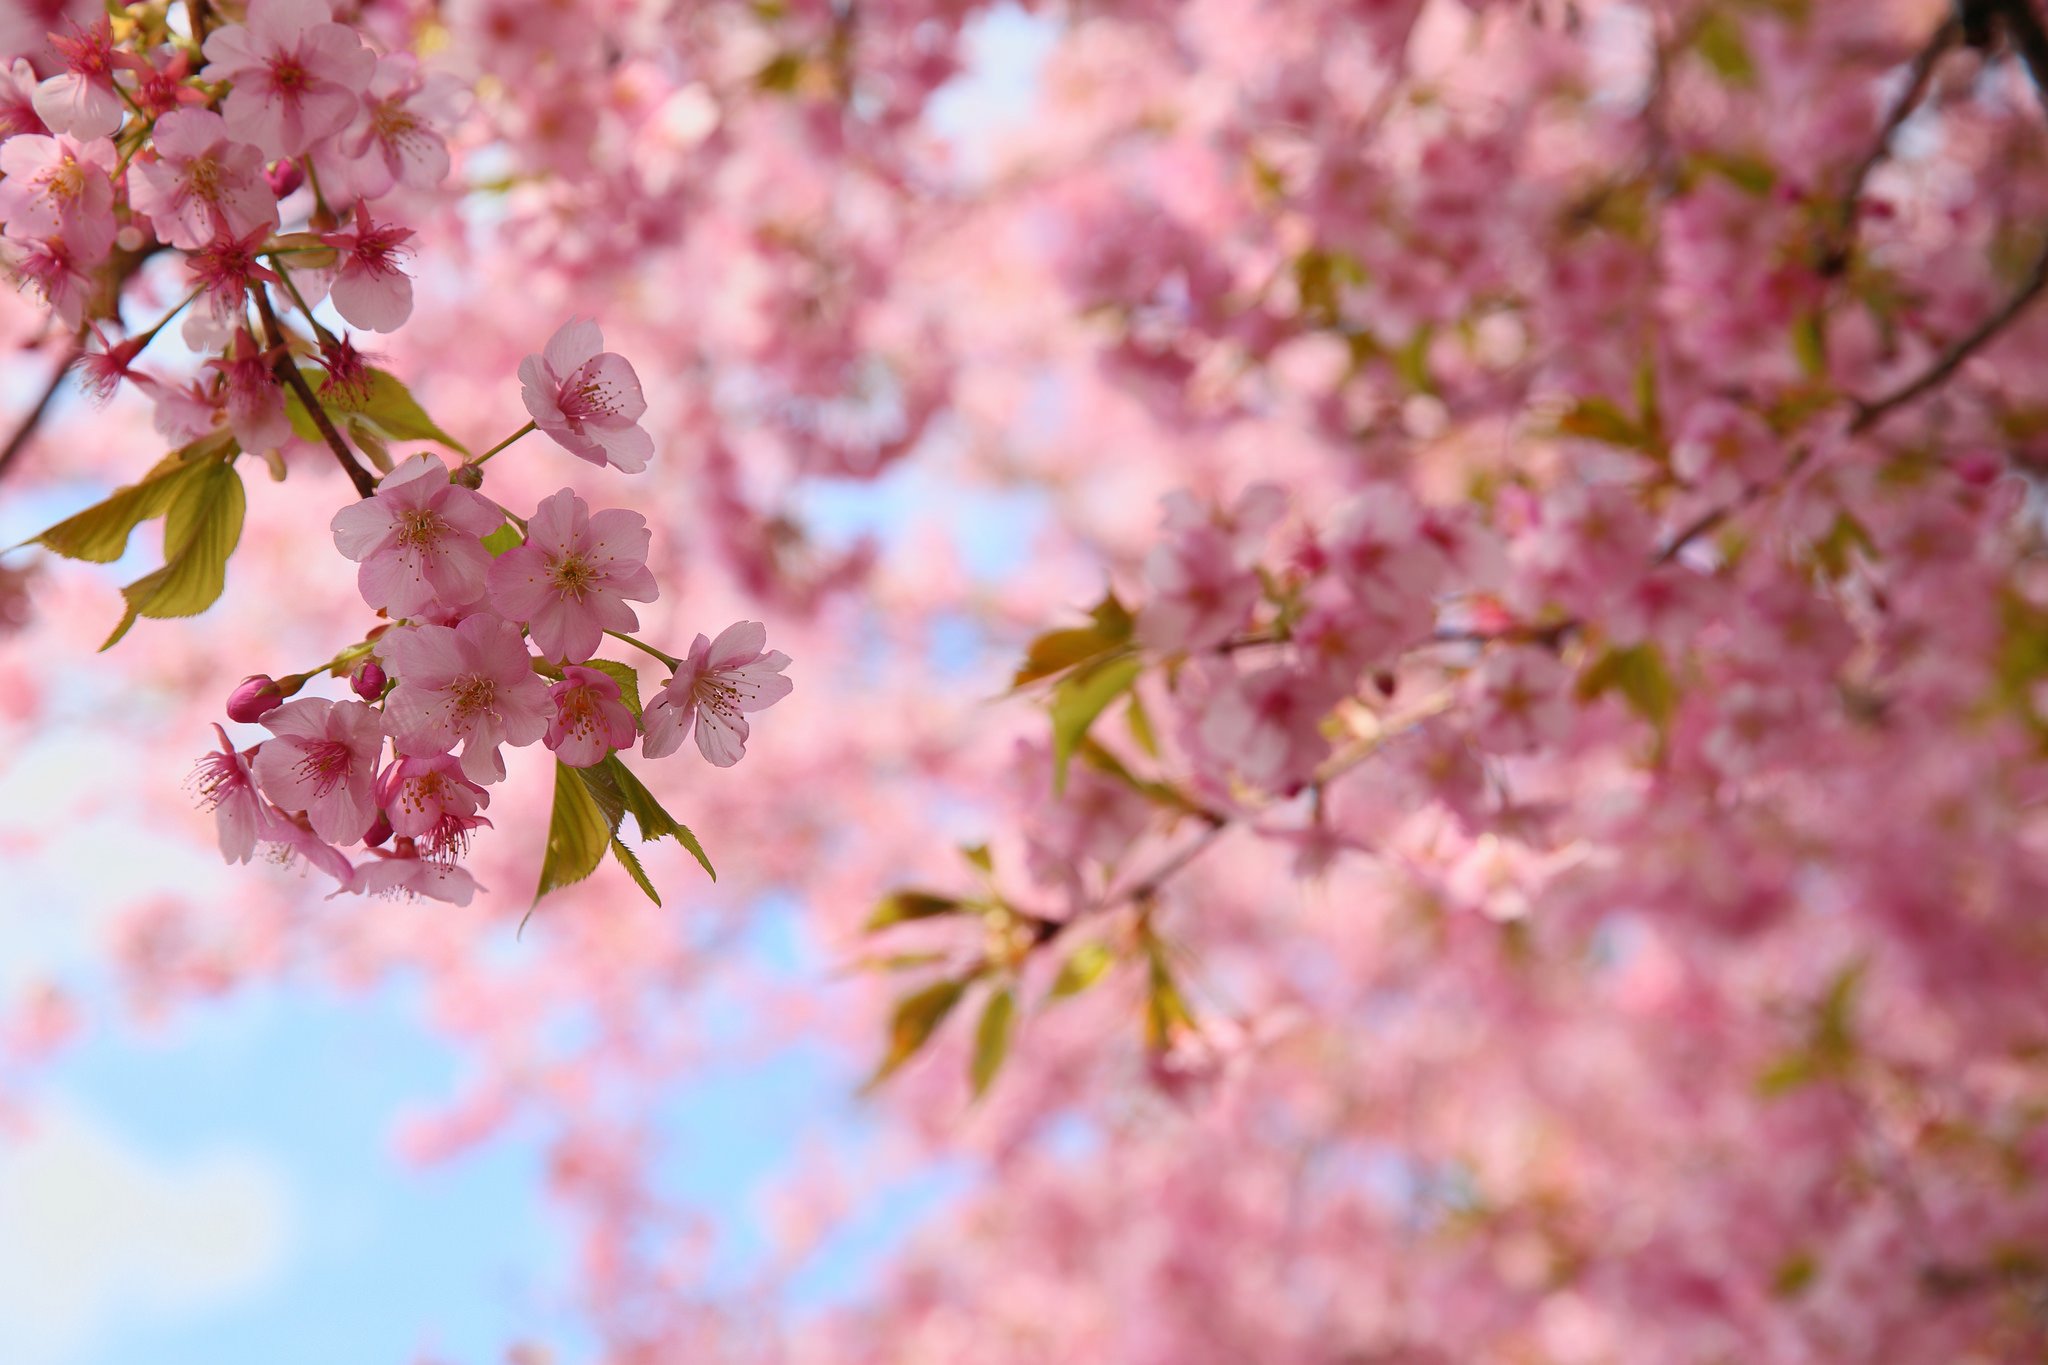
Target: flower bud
x: 379, y: 832
x: 255, y: 697
x: 470, y: 476
x: 368, y: 680
x: 284, y: 177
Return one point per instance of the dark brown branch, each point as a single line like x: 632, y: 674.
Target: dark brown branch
x: 33, y: 418
x: 1917, y: 79
x: 2029, y: 40
x: 1869, y: 414
x: 288, y: 374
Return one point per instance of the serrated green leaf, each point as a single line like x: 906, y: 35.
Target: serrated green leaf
x: 202, y: 526
x: 647, y: 812
x: 1085, y: 966
x: 631, y: 862
x: 992, y: 1039
x: 1078, y: 700
x: 900, y: 907
x: 911, y: 1024
x: 578, y: 833
x: 99, y: 534
x: 625, y: 677
x: 387, y: 405
x: 505, y: 538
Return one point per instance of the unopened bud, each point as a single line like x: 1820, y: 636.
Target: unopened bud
x: 379, y: 832
x: 284, y: 177
x: 470, y: 476
x: 255, y: 697
x: 368, y: 680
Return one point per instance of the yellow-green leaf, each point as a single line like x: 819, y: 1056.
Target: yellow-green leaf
x: 631, y: 862
x: 1087, y: 965
x: 99, y: 534
x: 505, y: 538
x: 202, y: 526
x: 900, y: 907
x: 1719, y: 39
x: 1598, y: 419
x: 647, y: 812
x: 992, y: 1039
x: 578, y: 833
x: 1639, y: 674
x: 916, y: 1017
x: 1058, y: 650
x: 391, y: 406
x: 1076, y: 703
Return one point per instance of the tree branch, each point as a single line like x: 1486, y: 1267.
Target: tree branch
x: 34, y: 416
x: 288, y: 374
x: 1918, y: 76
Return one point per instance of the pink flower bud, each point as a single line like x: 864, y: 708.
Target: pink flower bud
x: 284, y: 177
x: 467, y: 476
x: 255, y: 697
x: 368, y: 680
x: 379, y: 831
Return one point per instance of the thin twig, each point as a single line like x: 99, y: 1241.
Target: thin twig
x: 288, y: 371
x: 34, y: 416
x: 1869, y: 414
x: 1917, y: 80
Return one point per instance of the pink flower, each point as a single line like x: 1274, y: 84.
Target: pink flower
x: 255, y: 404
x: 403, y: 872
x: 82, y: 101
x: 201, y: 183
x: 420, y: 540
x: 369, y: 289
x: 223, y: 270
x: 293, y: 837
x: 393, y: 141
x: 296, y: 76
x: 1268, y: 726
x: 51, y: 269
x: 571, y: 580
x: 1201, y: 575
x: 427, y: 799
x: 59, y: 187
x: 1519, y: 699
x: 717, y: 685
x: 18, y: 100
x: 323, y: 761
x: 473, y: 683
x: 587, y: 398
x: 226, y: 787
x: 590, y: 719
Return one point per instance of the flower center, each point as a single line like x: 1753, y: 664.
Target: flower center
x: 288, y: 77
x: 572, y: 575
x: 472, y: 694
x: 420, y: 529
x: 324, y: 762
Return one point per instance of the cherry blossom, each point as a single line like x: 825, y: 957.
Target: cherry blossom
x: 419, y: 541
x: 718, y: 685
x: 59, y: 187
x: 201, y: 183
x: 227, y: 787
x: 369, y: 289
x: 590, y: 720
x: 83, y: 101
x: 295, y: 75
x: 587, y: 398
x: 323, y: 761
x: 428, y: 800
x: 471, y: 684
x: 571, y: 579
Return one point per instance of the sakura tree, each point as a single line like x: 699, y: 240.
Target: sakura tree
x: 1437, y: 753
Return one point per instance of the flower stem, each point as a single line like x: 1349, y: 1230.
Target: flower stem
x: 525, y: 430
x: 671, y: 660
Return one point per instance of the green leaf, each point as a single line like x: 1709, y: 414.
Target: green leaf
x: 1076, y: 703
x: 1087, y: 965
x: 578, y: 833
x: 505, y: 538
x: 1639, y: 674
x: 202, y: 526
x: 388, y: 406
x: 631, y: 862
x: 625, y: 677
x: 1598, y: 419
x: 916, y: 1017
x: 1166, y: 1010
x: 1795, y: 1274
x: 647, y: 812
x: 99, y: 534
x: 1810, y: 345
x: 1719, y: 39
x: 992, y: 1039
x: 1058, y: 650
x: 1140, y: 722
x: 900, y: 907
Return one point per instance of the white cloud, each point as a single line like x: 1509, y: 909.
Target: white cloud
x: 95, y: 1233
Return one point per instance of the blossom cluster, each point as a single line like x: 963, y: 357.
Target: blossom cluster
x: 483, y: 609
